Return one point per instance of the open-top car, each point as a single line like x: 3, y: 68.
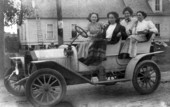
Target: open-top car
x: 43, y: 75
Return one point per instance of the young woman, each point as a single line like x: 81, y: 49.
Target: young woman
x: 129, y: 21
x: 114, y: 31
x: 139, y: 31
x: 91, y: 50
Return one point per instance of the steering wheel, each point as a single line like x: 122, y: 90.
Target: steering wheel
x: 81, y: 31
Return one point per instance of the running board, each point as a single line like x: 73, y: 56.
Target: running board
x: 111, y: 81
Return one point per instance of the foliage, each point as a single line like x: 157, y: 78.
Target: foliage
x: 14, y: 12
x: 10, y: 12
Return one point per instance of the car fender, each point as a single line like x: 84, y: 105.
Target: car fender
x: 133, y: 63
x: 71, y: 77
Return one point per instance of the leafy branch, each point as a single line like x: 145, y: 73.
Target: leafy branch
x: 14, y: 13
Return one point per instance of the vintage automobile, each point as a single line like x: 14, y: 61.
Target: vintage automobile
x: 43, y: 75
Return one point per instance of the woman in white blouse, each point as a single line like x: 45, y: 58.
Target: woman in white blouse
x: 139, y: 31
x: 129, y: 21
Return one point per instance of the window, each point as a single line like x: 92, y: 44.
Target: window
x: 157, y: 5
x: 50, y: 33
x: 158, y: 27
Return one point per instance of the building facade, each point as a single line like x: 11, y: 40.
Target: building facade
x: 76, y: 12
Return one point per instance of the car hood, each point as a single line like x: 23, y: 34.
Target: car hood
x: 47, y: 54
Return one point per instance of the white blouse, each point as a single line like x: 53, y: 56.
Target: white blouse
x: 129, y: 25
x: 144, y: 25
x: 110, y: 30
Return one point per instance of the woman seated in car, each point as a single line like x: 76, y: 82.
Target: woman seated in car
x: 94, y: 31
x: 129, y: 21
x: 113, y: 30
x: 112, y: 33
x: 139, y: 31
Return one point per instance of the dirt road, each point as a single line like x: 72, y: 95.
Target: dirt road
x: 86, y: 95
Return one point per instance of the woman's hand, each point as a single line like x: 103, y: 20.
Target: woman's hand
x: 146, y: 31
x: 83, y: 34
x: 92, y: 35
x: 129, y: 32
x: 143, y: 32
x: 88, y: 33
x: 119, y: 34
x: 104, y: 25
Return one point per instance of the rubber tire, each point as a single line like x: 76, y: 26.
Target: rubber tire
x: 36, y: 74
x: 8, y: 86
x: 134, y: 79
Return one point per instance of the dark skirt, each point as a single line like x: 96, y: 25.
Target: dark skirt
x: 96, y: 52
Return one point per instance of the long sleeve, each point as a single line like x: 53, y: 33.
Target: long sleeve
x: 152, y: 27
x: 104, y: 31
x: 123, y: 33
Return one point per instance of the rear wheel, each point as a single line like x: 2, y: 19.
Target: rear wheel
x: 146, y: 77
x: 45, y: 87
x: 15, y: 89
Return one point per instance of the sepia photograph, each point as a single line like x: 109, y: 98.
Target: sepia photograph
x: 84, y: 53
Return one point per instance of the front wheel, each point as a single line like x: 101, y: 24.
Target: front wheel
x: 146, y: 77
x: 45, y: 87
x: 15, y: 89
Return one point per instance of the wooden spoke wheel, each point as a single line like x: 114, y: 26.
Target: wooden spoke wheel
x: 11, y: 86
x: 45, y: 87
x: 81, y: 31
x: 146, y: 77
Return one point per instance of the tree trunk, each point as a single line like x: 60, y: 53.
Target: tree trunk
x: 1, y: 38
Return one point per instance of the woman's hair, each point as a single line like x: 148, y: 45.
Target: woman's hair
x: 89, y: 16
x: 128, y: 9
x: 143, y: 13
x: 115, y: 14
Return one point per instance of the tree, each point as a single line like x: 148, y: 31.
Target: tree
x: 10, y: 12
x: 1, y: 38
x: 14, y: 12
